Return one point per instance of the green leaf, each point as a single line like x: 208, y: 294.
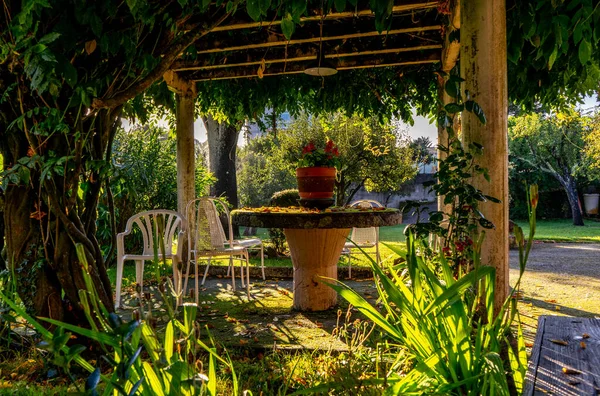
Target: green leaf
x: 169, y: 340
x: 253, y: 8
x: 288, y: 26
x: 552, y: 58
x: 478, y: 111
x: 155, y: 385
x: 50, y: 37
x: 340, y: 5
x: 454, y: 108
x: 585, y: 51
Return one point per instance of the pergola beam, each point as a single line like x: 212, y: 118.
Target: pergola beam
x: 405, y: 6
x: 276, y: 40
x: 309, y: 55
x: 299, y: 67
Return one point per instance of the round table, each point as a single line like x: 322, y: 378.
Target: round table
x: 316, y: 240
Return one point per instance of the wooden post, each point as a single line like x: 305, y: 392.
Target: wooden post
x: 315, y: 254
x: 186, y: 154
x: 483, y: 66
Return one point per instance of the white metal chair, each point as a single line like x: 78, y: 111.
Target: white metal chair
x: 363, y: 237
x: 154, y: 225
x: 206, y: 239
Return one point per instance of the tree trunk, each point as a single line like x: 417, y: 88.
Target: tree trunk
x: 222, y: 147
x: 570, y: 186
x: 45, y: 217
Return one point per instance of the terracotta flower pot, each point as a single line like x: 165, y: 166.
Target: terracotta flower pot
x: 316, y: 182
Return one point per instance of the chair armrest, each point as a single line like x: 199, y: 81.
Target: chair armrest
x: 121, y: 244
x: 179, y: 252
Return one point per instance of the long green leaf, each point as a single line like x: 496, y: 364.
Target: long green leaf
x: 102, y: 338
x: 365, y: 308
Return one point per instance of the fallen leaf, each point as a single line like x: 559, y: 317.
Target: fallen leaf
x: 529, y: 344
x: 550, y: 301
x: 243, y: 342
x: 571, y: 371
x: 574, y: 382
x: 90, y: 46
x: 586, y: 335
x: 560, y: 342
x: 557, y: 307
x: 582, y: 344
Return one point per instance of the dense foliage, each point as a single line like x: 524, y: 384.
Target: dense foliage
x: 261, y: 171
x: 553, y: 51
x: 371, y: 155
x: 144, y: 177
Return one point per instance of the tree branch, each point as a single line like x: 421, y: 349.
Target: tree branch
x: 167, y: 60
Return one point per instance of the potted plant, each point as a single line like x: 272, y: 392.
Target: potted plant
x: 316, y: 172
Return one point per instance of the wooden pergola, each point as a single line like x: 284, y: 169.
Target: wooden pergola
x: 419, y: 34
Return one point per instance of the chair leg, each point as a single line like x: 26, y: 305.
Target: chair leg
x: 187, y: 276
x: 349, y: 263
x: 262, y: 260
x: 232, y: 273
x: 196, y: 291
x: 119, y: 282
x: 228, y: 270
x: 139, y: 275
x: 177, y: 282
x: 242, y: 270
x: 205, y: 271
x: 248, y: 275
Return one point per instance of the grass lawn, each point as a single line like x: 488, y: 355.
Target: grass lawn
x: 393, y: 237
x: 564, y: 230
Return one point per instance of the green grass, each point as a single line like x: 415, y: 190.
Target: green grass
x: 564, y: 230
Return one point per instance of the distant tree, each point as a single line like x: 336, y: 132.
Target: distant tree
x: 372, y: 155
x: 592, y: 140
x: 553, y: 143
x: 421, y: 147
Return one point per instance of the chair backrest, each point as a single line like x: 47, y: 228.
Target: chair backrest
x: 155, y: 224
x: 365, y: 235
x: 205, y: 230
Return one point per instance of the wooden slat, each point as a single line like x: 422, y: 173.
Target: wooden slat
x: 546, y: 375
x: 309, y: 56
x: 403, y: 6
x: 316, y: 39
x: 298, y: 67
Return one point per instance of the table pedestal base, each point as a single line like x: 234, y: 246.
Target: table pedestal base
x: 315, y: 253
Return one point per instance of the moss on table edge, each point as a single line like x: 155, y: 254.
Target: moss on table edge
x: 341, y: 219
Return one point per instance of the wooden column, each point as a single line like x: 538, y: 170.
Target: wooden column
x: 186, y: 153
x: 483, y: 66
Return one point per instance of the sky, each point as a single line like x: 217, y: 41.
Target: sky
x: 421, y: 126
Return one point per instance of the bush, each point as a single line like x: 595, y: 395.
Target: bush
x: 284, y: 199
x: 144, y: 177
x: 261, y: 172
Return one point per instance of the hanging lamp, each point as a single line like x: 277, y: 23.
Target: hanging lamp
x: 321, y: 67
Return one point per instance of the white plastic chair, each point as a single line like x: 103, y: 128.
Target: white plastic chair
x: 206, y: 239
x: 363, y: 237
x: 154, y: 225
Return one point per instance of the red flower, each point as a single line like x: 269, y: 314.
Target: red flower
x: 329, y: 146
x: 335, y: 152
x: 309, y: 148
x: 447, y: 251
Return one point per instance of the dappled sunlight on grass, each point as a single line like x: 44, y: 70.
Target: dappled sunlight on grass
x: 564, y: 230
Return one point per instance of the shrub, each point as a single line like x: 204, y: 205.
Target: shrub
x: 284, y: 199
x: 142, y: 361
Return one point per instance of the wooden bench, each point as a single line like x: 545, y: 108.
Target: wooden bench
x: 565, y: 359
